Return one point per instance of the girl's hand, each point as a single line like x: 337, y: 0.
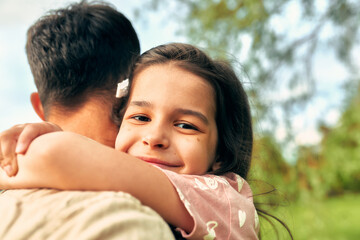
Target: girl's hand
x: 17, y: 139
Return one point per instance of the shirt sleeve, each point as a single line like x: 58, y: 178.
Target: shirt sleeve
x: 221, y: 206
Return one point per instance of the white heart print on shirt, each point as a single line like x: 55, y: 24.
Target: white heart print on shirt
x: 242, y: 218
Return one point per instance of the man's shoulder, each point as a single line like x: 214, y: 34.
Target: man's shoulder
x: 77, y: 215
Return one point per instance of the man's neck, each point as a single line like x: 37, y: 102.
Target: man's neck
x: 92, y: 120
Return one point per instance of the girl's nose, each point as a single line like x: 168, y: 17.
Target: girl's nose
x: 156, y: 141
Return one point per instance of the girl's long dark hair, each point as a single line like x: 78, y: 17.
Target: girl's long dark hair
x: 233, y: 116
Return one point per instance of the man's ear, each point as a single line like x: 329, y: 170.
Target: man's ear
x: 37, y: 105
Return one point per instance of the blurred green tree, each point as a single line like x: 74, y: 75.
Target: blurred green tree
x: 333, y: 167
x: 309, y: 182
x: 270, y: 172
x: 276, y: 42
x: 341, y: 151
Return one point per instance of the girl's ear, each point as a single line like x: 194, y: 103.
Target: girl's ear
x: 216, y: 165
x: 37, y: 105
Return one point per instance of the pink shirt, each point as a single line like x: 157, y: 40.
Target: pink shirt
x: 222, y: 206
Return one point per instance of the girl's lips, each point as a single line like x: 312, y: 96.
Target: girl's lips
x: 157, y: 161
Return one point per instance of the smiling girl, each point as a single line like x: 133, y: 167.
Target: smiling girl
x: 184, y: 147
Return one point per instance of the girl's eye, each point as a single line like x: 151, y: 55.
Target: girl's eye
x: 141, y: 118
x: 187, y: 126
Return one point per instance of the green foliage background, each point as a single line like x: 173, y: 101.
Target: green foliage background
x: 325, y: 178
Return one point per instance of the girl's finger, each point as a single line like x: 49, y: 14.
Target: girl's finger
x: 31, y: 132
x: 9, y: 160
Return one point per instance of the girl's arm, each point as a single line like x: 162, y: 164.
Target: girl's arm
x: 17, y: 139
x: 69, y: 161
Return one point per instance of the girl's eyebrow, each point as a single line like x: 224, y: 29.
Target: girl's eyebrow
x: 141, y: 103
x: 184, y: 111
x: 197, y: 114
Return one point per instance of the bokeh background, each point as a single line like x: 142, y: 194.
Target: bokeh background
x: 298, y: 60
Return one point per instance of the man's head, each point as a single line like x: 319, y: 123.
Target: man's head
x: 79, y: 52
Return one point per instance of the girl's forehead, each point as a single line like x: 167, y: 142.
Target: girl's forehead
x: 169, y: 82
x: 169, y: 75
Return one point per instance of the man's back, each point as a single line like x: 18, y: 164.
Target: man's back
x: 60, y: 215
x: 77, y: 56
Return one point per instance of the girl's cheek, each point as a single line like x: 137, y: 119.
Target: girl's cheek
x: 117, y: 146
x: 119, y: 142
x: 124, y: 139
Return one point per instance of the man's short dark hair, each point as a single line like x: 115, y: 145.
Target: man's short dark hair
x: 80, y: 51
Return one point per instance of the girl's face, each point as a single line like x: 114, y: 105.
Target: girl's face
x: 170, y: 120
